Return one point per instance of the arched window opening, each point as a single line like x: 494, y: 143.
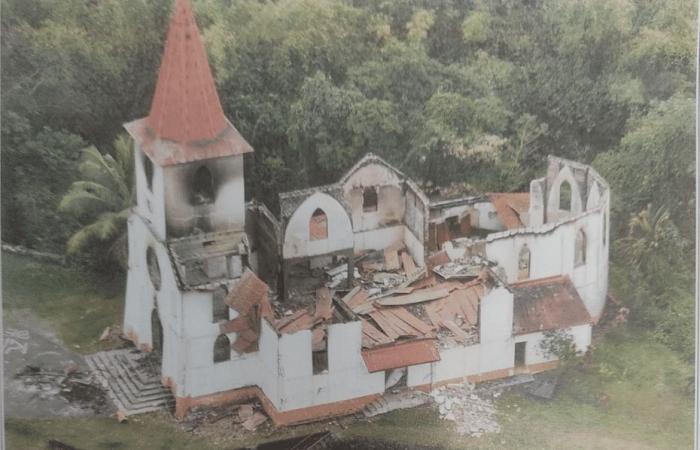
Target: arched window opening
x: 156, y: 333
x: 153, y: 268
x: 369, y: 199
x: 565, y: 196
x: 148, y: 169
x: 203, y: 187
x: 580, y: 250
x: 222, y: 348
x: 524, y: 263
x: 605, y: 227
x: 219, y: 308
x: 318, y: 226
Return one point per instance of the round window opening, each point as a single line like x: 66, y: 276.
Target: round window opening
x: 153, y: 268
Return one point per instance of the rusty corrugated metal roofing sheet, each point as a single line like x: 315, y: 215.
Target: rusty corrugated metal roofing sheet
x: 401, y: 354
x: 547, y: 304
x: 511, y: 208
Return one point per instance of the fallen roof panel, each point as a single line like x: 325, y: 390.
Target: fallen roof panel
x: 401, y: 354
x: 547, y: 304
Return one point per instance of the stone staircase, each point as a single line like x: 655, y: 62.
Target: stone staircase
x: 132, y: 380
x: 403, y: 399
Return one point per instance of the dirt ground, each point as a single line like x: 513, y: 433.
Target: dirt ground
x: 42, y: 378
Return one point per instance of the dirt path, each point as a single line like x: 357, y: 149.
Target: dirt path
x: 36, y: 380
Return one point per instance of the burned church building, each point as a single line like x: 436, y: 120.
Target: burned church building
x: 352, y: 288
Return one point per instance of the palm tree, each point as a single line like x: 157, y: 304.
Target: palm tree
x: 101, y: 200
x: 651, y: 241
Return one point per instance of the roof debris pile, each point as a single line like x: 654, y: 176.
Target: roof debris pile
x: 472, y: 412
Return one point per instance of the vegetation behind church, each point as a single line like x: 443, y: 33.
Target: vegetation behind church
x: 475, y: 93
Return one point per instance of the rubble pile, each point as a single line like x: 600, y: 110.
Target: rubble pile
x: 472, y: 413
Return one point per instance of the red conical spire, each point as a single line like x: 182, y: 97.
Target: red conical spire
x: 185, y: 106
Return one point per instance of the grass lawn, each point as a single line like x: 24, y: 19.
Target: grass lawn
x: 77, y: 309
x: 649, y: 407
x: 649, y: 404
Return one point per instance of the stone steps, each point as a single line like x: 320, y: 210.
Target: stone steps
x: 393, y: 401
x: 132, y: 389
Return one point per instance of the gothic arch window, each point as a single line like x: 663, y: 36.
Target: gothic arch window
x: 153, y: 268
x: 156, y: 332
x: 219, y: 308
x: 203, y: 187
x: 148, y: 170
x: 369, y: 199
x: 222, y: 348
x: 605, y: 227
x: 524, y: 263
x: 580, y: 249
x: 318, y: 226
x: 565, y: 195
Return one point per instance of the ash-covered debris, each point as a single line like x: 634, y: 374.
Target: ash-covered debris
x: 233, y: 419
x: 472, y: 410
x: 75, y: 387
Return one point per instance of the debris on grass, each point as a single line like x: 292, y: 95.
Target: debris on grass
x: 472, y: 412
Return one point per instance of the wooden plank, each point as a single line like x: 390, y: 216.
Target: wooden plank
x: 318, y: 336
x: 303, y: 322
x: 384, y: 325
x: 412, y: 320
x: 402, y: 327
x: 409, y: 267
x: 374, y: 334
x: 460, y: 335
x: 353, y: 292
x: 391, y: 259
x: 433, y: 315
x: 415, y: 297
x: 290, y: 318
x: 360, y: 298
x: 324, y: 310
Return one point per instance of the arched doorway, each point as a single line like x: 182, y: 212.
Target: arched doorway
x: 156, y: 333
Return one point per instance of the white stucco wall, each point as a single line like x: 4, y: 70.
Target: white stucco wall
x: 552, y: 253
x: 581, y: 335
x: 150, y: 202
x: 297, y: 242
x: 228, y: 210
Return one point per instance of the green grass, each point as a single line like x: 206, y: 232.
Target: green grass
x: 70, y: 301
x: 147, y: 432
x: 649, y: 406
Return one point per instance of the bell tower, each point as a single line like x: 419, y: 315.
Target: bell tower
x: 189, y: 157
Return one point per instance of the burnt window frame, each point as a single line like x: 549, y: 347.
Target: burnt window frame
x: 521, y: 254
x: 319, y: 361
x: 569, y: 199
x: 220, y: 343
x: 153, y: 268
x: 219, y: 308
x: 371, y: 193
x: 580, y: 248
x: 148, y: 171
x: 202, y: 186
x: 318, y: 212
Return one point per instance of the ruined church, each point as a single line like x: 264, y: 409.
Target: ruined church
x: 352, y: 288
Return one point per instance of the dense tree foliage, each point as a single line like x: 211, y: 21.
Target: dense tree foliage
x: 475, y: 93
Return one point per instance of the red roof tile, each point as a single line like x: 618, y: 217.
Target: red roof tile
x: 401, y: 354
x: 249, y: 298
x: 186, y: 121
x: 511, y: 207
x: 186, y: 106
x: 547, y: 304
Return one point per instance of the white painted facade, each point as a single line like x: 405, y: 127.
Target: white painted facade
x: 282, y: 366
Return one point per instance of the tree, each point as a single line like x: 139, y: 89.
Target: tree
x: 101, y: 202
x: 38, y: 165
